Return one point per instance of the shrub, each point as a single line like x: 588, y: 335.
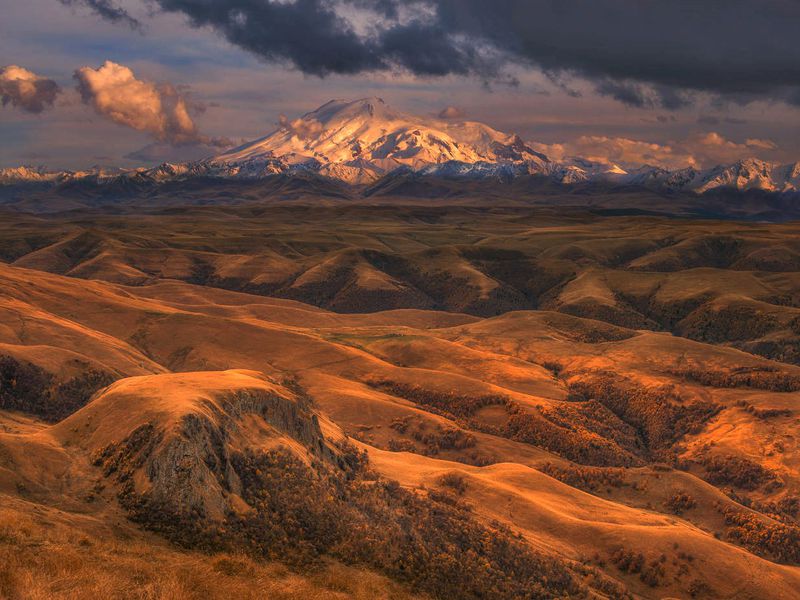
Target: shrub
x: 659, y: 415
x: 454, y: 481
x: 760, y: 378
x: 588, y: 479
x: 680, y: 502
x: 787, y: 509
x: 449, y: 404
x: 587, y: 434
x: 628, y: 561
x: 443, y: 438
x: 398, y: 445
x: 699, y: 589
x: 776, y: 541
x: 28, y: 388
x: 302, y: 513
x: 652, y: 573
x: 736, y: 471
x: 432, y: 440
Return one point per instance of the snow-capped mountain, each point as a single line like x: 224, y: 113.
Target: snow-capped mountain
x: 750, y: 174
x: 28, y: 174
x: 360, y: 141
x: 365, y: 140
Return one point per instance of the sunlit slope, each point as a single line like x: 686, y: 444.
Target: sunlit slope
x: 586, y: 437
x: 718, y: 282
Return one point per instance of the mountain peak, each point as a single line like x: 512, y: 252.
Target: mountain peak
x: 361, y: 141
x: 344, y: 137
x: 369, y: 108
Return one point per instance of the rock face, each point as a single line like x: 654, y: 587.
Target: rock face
x: 233, y: 460
x: 175, y: 450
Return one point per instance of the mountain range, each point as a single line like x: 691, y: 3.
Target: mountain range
x: 364, y: 141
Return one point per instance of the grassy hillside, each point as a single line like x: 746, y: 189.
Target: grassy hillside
x: 388, y: 402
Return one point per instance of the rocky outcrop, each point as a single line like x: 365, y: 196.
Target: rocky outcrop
x: 182, y: 463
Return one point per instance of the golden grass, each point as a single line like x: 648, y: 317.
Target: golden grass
x: 40, y: 560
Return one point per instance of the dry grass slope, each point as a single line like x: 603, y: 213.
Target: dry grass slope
x: 538, y: 403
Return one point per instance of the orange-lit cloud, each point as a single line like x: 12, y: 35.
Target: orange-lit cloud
x: 701, y: 150
x: 26, y: 90
x: 451, y: 112
x: 158, y: 109
x: 300, y: 127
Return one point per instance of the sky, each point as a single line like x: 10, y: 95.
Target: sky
x: 136, y: 82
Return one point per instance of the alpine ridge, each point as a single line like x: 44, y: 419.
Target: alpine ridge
x: 363, y: 141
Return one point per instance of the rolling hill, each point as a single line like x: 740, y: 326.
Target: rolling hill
x: 398, y: 400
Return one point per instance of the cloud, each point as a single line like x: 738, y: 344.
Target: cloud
x: 156, y: 152
x: 708, y: 120
x: 762, y: 144
x: 700, y: 150
x: 108, y: 10
x: 161, y: 110
x: 301, y: 128
x: 620, y: 151
x: 650, y: 52
x: 644, y: 96
x: 26, y: 90
x: 713, y: 148
x: 451, y: 112
x: 712, y: 120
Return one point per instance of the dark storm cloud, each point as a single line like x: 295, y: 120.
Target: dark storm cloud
x: 644, y: 53
x: 306, y: 33
x: 558, y: 79
x: 627, y: 93
x: 731, y: 47
x: 644, y: 96
x: 108, y: 10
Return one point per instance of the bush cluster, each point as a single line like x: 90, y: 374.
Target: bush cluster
x: 302, y: 513
x: 434, y: 439
x: 454, y: 481
x: 763, y: 413
x: 659, y: 415
x: 584, y: 432
x: 588, y: 479
x: 737, y: 471
x: 760, y: 378
x: 680, y: 502
x: 787, y: 509
x: 776, y: 541
x: 30, y: 389
x: 632, y: 562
